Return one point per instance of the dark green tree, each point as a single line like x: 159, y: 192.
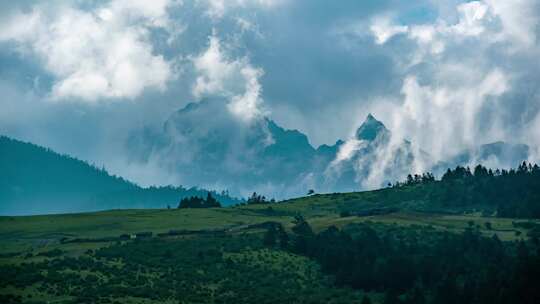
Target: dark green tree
x: 270, y: 236
x: 301, y: 226
x: 283, y: 238
x: 366, y: 300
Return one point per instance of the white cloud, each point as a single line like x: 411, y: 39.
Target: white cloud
x: 432, y: 37
x: 460, y: 78
x: 102, y: 53
x: 347, y: 150
x: 449, y: 102
x: 236, y: 79
x: 433, y: 116
x: 518, y: 25
x: 214, y: 70
x: 248, y: 105
x: 427, y: 38
x: 472, y: 16
x: 441, y: 118
x: 383, y: 29
x: 218, y: 8
x: 519, y: 20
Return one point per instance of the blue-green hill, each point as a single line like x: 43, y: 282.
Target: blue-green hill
x: 35, y: 180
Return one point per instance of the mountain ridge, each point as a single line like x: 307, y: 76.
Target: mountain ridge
x: 208, y: 146
x: 36, y: 179
x: 265, y: 158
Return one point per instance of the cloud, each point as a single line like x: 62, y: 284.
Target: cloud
x: 236, y: 80
x: 102, y: 53
x: 433, y: 123
x: 248, y: 105
x: 383, y: 30
x: 445, y: 74
x: 462, y: 75
x: 216, y: 9
x: 347, y: 150
x: 471, y: 18
x: 432, y: 37
x: 434, y: 116
x: 454, y: 88
x: 513, y: 22
x: 519, y: 20
x: 214, y: 70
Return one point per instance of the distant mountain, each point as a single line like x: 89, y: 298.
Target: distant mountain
x: 370, y: 159
x: 206, y: 145
x: 494, y: 155
x: 371, y: 129
x: 36, y: 180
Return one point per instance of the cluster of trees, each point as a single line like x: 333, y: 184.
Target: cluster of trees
x: 259, y: 199
x: 415, y: 179
x: 198, y: 202
x: 510, y: 193
x: 276, y: 236
x: 423, y: 266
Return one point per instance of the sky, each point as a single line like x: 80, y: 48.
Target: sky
x: 81, y: 76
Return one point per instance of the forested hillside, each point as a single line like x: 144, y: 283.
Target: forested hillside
x: 34, y: 179
x: 511, y: 193
x: 419, y: 265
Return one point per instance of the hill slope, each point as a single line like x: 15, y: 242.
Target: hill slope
x: 394, y: 245
x: 34, y: 180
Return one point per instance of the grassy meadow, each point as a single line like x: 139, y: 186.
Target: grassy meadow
x: 220, y: 258
x: 22, y: 233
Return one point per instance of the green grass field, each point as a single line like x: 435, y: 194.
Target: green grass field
x: 39, y: 233
x: 38, y: 241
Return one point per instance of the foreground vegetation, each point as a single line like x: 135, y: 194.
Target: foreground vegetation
x: 208, y: 269
x: 271, y: 262
x: 419, y: 265
x: 416, y: 242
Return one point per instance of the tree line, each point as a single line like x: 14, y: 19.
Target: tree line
x: 198, y: 202
x: 511, y: 193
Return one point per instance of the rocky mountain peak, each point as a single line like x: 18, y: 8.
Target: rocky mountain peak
x: 370, y: 129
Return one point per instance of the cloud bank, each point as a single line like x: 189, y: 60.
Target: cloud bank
x: 101, y: 53
x: 444, y: 75
x: 461, y: 77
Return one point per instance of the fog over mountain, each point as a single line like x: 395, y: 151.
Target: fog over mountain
x: 204, y: 144
x: 203, y: 92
